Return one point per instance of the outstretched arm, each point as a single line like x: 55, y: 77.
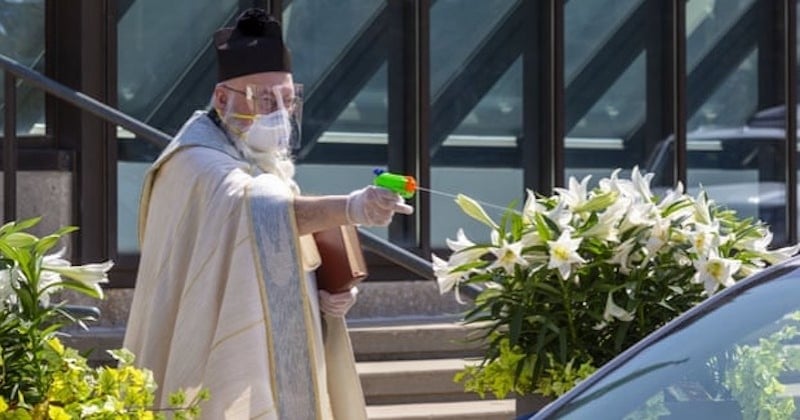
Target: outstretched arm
x: 369, y: 206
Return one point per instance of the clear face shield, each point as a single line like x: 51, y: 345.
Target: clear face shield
x: 275, y: 116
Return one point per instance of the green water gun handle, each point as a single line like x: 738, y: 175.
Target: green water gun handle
x: 404, y: 185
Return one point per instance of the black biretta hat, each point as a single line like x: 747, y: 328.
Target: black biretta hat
x: 254, y: 45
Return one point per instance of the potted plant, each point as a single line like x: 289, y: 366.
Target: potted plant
x: 572, y: 279
x: 40, y: 378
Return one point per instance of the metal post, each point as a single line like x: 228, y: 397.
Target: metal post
x: 10, y: 149
x: 679, y: 90
x: 543, y: 96
x: 790, y: 92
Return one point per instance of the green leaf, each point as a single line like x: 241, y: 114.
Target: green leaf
x: 474, y: 210
x: 21, y: 239
x: 553, y: 226
x: 26, y: 224
x: 598, y: 202
x: 516, y: 325
x: 45, y: 244
x: 64, y: 230
x: 8, y: 251
x: 77, y: 286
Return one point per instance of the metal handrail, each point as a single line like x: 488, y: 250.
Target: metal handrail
x: 84, y: 102
x: 370, y: 242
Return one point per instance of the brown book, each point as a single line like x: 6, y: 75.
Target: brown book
x: 342, y: 264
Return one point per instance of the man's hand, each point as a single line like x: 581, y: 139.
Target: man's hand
x: 337, y: 304
x: 374, y: 206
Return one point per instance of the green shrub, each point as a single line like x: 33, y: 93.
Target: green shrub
x: 40, y: 378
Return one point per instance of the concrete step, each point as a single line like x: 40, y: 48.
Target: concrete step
x: 372, y: 341
x: 408, y: 381
x: 406, y: 370
x: 413, y: 341
x: 96, y: 341
x: 462, y: 410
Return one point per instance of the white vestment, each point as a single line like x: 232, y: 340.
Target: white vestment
x: 225, y: 297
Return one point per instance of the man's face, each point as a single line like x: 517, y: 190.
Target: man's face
x: 260, y: 93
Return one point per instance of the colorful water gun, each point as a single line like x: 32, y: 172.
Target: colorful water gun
x: 404, y: 185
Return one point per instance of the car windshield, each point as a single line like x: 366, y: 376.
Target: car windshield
x: 737, y: 359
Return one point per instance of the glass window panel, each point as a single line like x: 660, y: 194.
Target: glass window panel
x: 733, y: 102
x: 707, y: 21
x: 22, y: 40
x: 317, y: 31
x: 478, y: 158
x: 157, y: 44
x: 130, y: 176
x: 589, y: 23
x: 319, y: 34
x: 367, y: 112
x: 493, y: 188
x: 458, y: 27
x: 600, y: 140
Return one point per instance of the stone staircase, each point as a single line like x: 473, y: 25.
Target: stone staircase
x: 407, y: 345
x: 406, y: 368
x: 407, y: 372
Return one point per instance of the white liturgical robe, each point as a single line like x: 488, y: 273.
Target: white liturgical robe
x: 225, y: 298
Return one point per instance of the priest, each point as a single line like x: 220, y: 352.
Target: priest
x: 225, y: 296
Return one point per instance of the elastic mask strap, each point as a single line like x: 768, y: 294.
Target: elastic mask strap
x: 234, y: 130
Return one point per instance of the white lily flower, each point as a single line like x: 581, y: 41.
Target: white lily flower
x: 90, y: 275
x: 623, y: 187
x: 747, y: 270
x: 638, y: 215
x: 606, y: 226
x: 778, y: 255
x: 531, y: 238
x: 642, y: 184
x: 613, y: 311
x: 622, y: 255
x: 561, y: 215
x: 704, y: 238
x: 444, y: 277
x: 659, y: 235
x: 463, y: 251
x: 671, y: 197
x: 531, y: 206
x: 759, y: 244
x: 563, y: 253
x: 713, y: 271
x: 48, y: 277
x: 460, y: 242
x: 577, y: 193
x: 702, y: 205
x: 508, y: 255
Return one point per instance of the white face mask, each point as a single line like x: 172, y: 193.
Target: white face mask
x: 270, y: 132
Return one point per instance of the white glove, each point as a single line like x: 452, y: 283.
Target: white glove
x: 337, y: 304
x: 374, y: 206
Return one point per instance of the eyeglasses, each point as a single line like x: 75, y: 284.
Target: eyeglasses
x: 268, y: 99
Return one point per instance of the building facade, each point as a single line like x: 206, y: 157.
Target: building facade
x: 487, y: 98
